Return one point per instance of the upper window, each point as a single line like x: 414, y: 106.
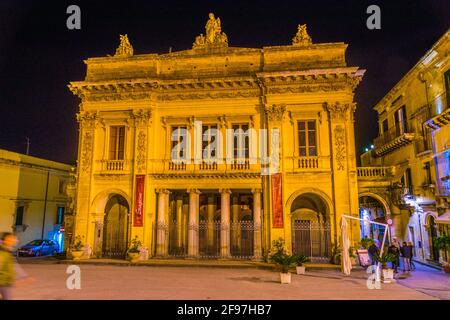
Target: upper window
x: 240, y: 141
x: 209, y: 141
x: 307, y: 138
x: 179, y: 143
x: 60, y: 215
x: 400, y: 120
x: 385, y: 126
x: 117, y: 143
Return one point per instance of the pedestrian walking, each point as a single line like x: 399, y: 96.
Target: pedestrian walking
x: 396, y: 252
x: 374, y: 252
x: 406, y: 253
x: 411, y: 262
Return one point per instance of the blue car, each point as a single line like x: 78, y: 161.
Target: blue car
x: 38, y: 248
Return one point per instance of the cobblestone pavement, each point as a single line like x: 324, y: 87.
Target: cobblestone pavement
x: 117, y: 282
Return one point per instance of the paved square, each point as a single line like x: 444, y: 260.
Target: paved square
x: 117, y: 282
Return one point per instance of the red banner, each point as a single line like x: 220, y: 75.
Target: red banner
x: 139, y: 202
x: 277, y: 201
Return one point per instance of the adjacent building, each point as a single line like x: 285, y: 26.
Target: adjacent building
x: 216, y: 151
x: 410, y: 162
x: 33, y: 198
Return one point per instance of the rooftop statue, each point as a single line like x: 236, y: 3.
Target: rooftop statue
x: 214, y: 35
x: 302, y: 37
x: 125, y: 48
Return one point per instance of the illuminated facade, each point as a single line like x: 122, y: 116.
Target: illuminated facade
x: 411, y: 158
x: 33, y: 197
x: 135, y: 108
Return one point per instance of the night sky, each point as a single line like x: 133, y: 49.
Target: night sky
x: 39, y: 56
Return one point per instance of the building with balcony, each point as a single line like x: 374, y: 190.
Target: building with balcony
x: 216, y: 151
x: 33, y: 197
x: 413, y: 144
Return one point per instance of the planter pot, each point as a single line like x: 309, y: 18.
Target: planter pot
x: 285, y: 278
x: 388, y: 274
x: 447, y: 269
x: 300, y: 269
x: 76, y: 255
x: 134, y: 256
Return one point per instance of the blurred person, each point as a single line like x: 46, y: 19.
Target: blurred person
x: 374, y: 252
x: 411, y: 262
x: 395, y: 251
x: 406, y: 253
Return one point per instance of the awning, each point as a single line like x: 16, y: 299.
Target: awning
x: 443, y: 219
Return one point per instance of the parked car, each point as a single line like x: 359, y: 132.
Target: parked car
x: 39, y: 248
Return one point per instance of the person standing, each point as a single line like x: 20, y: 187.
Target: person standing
x: 7, y: 273
x: 374, y: 252
x: 395, y: 251
x: 406, y: 253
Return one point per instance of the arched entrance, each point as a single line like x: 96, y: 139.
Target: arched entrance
x: 311, y: 229
x: 371, y: 209
x: 432, y: 234
x: 115, y: 227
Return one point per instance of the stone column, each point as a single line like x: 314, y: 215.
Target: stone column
x: 225, y: 224
x: 194, y: 206
x: 236, y: 230
x: 162, y: 241
x: 210, y: 231
x: 184, y: 223
x: 257, y: 240
x: 179, y: 215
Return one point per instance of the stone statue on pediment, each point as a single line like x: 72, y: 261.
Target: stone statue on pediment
x: 302, y: 37
x: 214, y: 35
x: 125, y: 48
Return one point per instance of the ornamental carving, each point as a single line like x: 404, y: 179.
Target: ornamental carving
x: 141, y: 150
x: 86, y: 152
x: 88, y: 119
x: 125, y: 49
x: 338, y: 111
x: 302, y: 37
x: 214, y: 35
x: 339, y: 141
x: 142, y: 117
x: 275, y: 112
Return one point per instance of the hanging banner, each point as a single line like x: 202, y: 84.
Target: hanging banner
x: 139, y: 202
x: 277, y: 201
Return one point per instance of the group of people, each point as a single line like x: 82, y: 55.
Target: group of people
x: 405, y: 251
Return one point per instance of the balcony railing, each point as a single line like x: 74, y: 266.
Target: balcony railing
x: 308, y: 163
x: 374, y: 172
x: 114, y: 165
x: 393, y: 138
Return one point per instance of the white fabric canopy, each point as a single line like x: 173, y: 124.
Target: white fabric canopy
x: 346, y: 263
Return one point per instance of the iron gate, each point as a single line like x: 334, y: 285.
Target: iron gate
x: 241, y: 239
x: 209, y: 239
x: 312, y: 239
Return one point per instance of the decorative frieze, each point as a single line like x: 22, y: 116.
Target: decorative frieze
x: 340, y: 146
x: 86, y: 150
x: 141, y: 151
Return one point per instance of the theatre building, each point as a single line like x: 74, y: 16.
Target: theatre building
x: 174, y: 148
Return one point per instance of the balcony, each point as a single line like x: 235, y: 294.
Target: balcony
x: 373, y: 173
x: 210, y: 166
x: 396, y: 137
x: 114, y: 166
x: 315, y: 163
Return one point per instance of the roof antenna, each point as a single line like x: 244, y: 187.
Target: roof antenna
x: 28, y: 146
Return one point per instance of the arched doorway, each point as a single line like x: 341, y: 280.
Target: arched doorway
x: 432, y: 234
x: 371, y: 209
x: 115, y: 227
x: 311, y: 229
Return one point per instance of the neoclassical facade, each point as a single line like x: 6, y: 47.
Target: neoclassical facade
x: 147, y: 168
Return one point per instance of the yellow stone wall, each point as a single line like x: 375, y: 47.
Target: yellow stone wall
x: 24, y: 181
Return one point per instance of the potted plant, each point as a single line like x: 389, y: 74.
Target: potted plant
x: 283, y: 260
x: 387, y: 273
x: 134, y: 250
x: 300, y: 260
x: 366, y: 242
x: 336, y: 254
x: 443, y: 243
x: 76, y: 249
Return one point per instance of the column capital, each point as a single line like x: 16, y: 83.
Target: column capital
x: 256, y: 190
x: 163, y: 191
x: 225, y: 190
x: 193, y: 191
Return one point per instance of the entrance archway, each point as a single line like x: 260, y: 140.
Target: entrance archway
x: 115, y: 227
x: 371, y: 209
x: 311, y: 229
